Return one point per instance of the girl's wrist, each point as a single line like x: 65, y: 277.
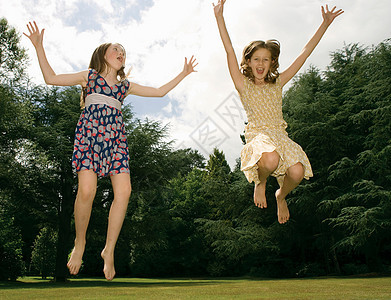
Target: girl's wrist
x: 325, y: 24
x: 184, y: 73
x: 219, y: 17
x: 38, y: 46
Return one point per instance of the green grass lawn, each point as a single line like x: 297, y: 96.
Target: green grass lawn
x: 233, y: 288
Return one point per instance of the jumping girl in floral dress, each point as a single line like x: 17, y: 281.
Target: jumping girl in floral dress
x: 100, y: 147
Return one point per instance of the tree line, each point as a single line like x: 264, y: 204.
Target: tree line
x: 193, y: 216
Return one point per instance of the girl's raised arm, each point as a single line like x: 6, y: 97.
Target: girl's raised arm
x: 36, y: 38
x: 328, y: 18
x: 146, y: 91
x: 233, y: 65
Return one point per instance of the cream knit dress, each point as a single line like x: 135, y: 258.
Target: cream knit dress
x: 265, y: 132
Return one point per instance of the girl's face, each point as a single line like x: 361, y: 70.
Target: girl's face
x: 115, y: 56
x: 260, y: 64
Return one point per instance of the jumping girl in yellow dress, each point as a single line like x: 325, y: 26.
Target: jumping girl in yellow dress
x: 268, y: 149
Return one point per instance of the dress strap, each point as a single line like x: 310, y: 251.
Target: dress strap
x: 102, y: 99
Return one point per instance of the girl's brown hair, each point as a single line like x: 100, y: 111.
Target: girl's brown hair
x: 274, y: 47
x: 99, y: 64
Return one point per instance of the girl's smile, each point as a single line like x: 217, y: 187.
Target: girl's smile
x: 260, y: 71
x: 260, y: 64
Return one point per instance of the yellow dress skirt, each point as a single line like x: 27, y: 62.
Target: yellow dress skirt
x: 268, y: 139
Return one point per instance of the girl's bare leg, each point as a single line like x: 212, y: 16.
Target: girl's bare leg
x: 266, y: 165
x: 293, y: 177
x: 122, y: 188
x: 86, y: 191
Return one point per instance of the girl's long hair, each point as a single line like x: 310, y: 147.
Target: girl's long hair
x: 99, y: 64
x: 274, y: 47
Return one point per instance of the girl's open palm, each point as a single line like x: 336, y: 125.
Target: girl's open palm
x: 189, y: 66
x: 35, y: 36
x: 330, y: 15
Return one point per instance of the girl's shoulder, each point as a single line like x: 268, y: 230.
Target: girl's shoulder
x: 247, y: 82
x: 126, y: 83
x: 276, y: 86
x: 92, y: 71
x: 246, y: 86
x: 92, y: 74
x: 278, y: 82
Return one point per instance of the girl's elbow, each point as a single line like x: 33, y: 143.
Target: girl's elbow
x: 161, y: 93
x: 49, y: 82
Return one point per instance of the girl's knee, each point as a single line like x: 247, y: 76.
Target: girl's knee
x: 269, y: 161
x: 128, y: 191
x: 86, y: 192
x: 87, y: 181
x: 123, y: 192
x: 296, y: 172
x: 121, y: 186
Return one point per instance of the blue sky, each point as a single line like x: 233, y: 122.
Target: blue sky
x: 123, y: 14
x: 204, y: 110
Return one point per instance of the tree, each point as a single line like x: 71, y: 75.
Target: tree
x: 216, y: 185
x: 11, y: 260
x: 13, y: 58
x: 15, y: 121
x: 348, y: 141
x: 217, y: 166
x: 43, y: 257
x: 151, y: 227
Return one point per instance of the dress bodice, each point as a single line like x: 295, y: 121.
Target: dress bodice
x: 97, y: 84
x: 263, y: 104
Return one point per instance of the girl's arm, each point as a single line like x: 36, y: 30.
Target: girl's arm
x: 234, y: 70
x: 328, y: 18
x: 146, y: 91
x: 36, y: 38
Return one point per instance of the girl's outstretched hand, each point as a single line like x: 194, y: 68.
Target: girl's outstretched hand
x: 218, y: 9
x: 189, y: 66
x: 330, y: 15
x: 35, y: 36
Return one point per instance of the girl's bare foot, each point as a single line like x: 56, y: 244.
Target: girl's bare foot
x: 75, y: 261
x: 108, y: 268
x: 259, y: 195
x: 282, y: 208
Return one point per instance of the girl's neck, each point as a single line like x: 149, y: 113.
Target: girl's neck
x: 110, y: 75
x: 259, y: 82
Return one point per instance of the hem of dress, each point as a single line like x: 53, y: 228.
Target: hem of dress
x: 254, y: 167
x: 279, y: 175
x: 126, y: 171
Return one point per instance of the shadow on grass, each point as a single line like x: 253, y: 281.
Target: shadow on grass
x: 91, y: 282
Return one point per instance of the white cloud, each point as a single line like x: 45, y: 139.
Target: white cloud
x: 164, y: 32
